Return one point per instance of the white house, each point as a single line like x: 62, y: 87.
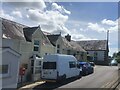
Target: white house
x: 98, y: 49
x: 9, y: 68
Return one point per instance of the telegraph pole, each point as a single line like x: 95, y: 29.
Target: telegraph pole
x: 107, y: 47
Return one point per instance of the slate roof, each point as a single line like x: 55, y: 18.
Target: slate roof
x: 72, y: 45
x: 12, y: 30
x: 28, y: 32
x: 53, y: 38
x: 93, y: 44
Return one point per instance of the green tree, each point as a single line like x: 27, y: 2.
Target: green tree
x: 117, y: 56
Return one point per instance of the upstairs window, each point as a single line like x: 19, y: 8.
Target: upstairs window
x: 36, y: 45
x: 58, y: 46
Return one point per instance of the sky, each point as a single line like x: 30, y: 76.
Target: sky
x: 82, y: 20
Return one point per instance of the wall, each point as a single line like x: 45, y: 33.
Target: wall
x: 10, y: 80
x: 100, y: 55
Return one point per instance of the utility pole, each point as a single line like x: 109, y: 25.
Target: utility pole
x: 107, y: 47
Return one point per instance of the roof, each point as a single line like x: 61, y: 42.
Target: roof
x: 72, y: 45
x: 4, y: 49
x: 28, y: 32
x: 93, y: 44
x: 12, y: 30
x: 53, y: 38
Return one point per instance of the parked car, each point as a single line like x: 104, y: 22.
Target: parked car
x: 113, y: 62
x: 86, y: 68
x: 92, y: 64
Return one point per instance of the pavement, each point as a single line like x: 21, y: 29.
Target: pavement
x: 118, y: 87
x: 31, y: 85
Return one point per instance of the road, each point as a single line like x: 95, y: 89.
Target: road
x: 102, y: 76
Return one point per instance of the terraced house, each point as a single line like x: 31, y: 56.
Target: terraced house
x: 64, y: 45
x: 33, y: 44
x: 30, y: 42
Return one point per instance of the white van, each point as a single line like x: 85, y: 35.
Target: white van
x: 59, y: 67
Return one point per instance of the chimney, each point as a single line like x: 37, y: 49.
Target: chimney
x: 68, y: 37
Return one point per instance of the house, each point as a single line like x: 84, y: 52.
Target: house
x: 9, y: 68
x: 30, y: 42
x: 64, y: 45
x: 98, y: 49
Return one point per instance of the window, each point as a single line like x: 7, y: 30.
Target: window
x: 32, y: 62
x: 58, y: 51
x: 3, y: 69
x: 37, y: 70
x: 36, y: 45
x: 58, y: 46
x: 68, y: 52
x: 49, y: 65
x: 72, y: 64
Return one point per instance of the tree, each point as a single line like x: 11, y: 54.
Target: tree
x: 117, y: 56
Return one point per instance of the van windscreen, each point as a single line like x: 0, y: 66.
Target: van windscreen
x: 49, y: 65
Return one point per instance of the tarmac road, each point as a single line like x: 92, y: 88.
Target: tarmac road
x: 101, y: 78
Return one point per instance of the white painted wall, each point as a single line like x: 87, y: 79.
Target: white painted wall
x: 10, y: 80
x: 100, y: 55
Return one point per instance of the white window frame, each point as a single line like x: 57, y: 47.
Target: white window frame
x: 36, y: 46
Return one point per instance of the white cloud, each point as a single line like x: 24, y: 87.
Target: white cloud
x: 35, y: 15
x: 77, y: 36
x: 51, y: 21
x: 113, y: 29
x: 7, y: 16
x: 109, y: 22
x: 17, y: 13
x: 96, y: 27
x: 113, y: 50
x: 55, y: 6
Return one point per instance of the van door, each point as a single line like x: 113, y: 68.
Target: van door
x: 49, y: 70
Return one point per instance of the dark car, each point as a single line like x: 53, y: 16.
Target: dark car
x: 92, y: 64
x: 86, y: 68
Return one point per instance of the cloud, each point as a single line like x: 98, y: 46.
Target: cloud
x: 55, y: 6
x: 109, y: 22
x: 7, y: 16
x: 96, y: 27
x: 105, y: 25
x: 77, y: 36
x: 113, y: 50
x: 50, y: 20
x: 17, y: 13
x: 35, y: 15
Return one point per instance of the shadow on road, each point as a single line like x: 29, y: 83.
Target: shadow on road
x: 51, y: 86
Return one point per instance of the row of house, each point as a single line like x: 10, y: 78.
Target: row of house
x: 32, y: 44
